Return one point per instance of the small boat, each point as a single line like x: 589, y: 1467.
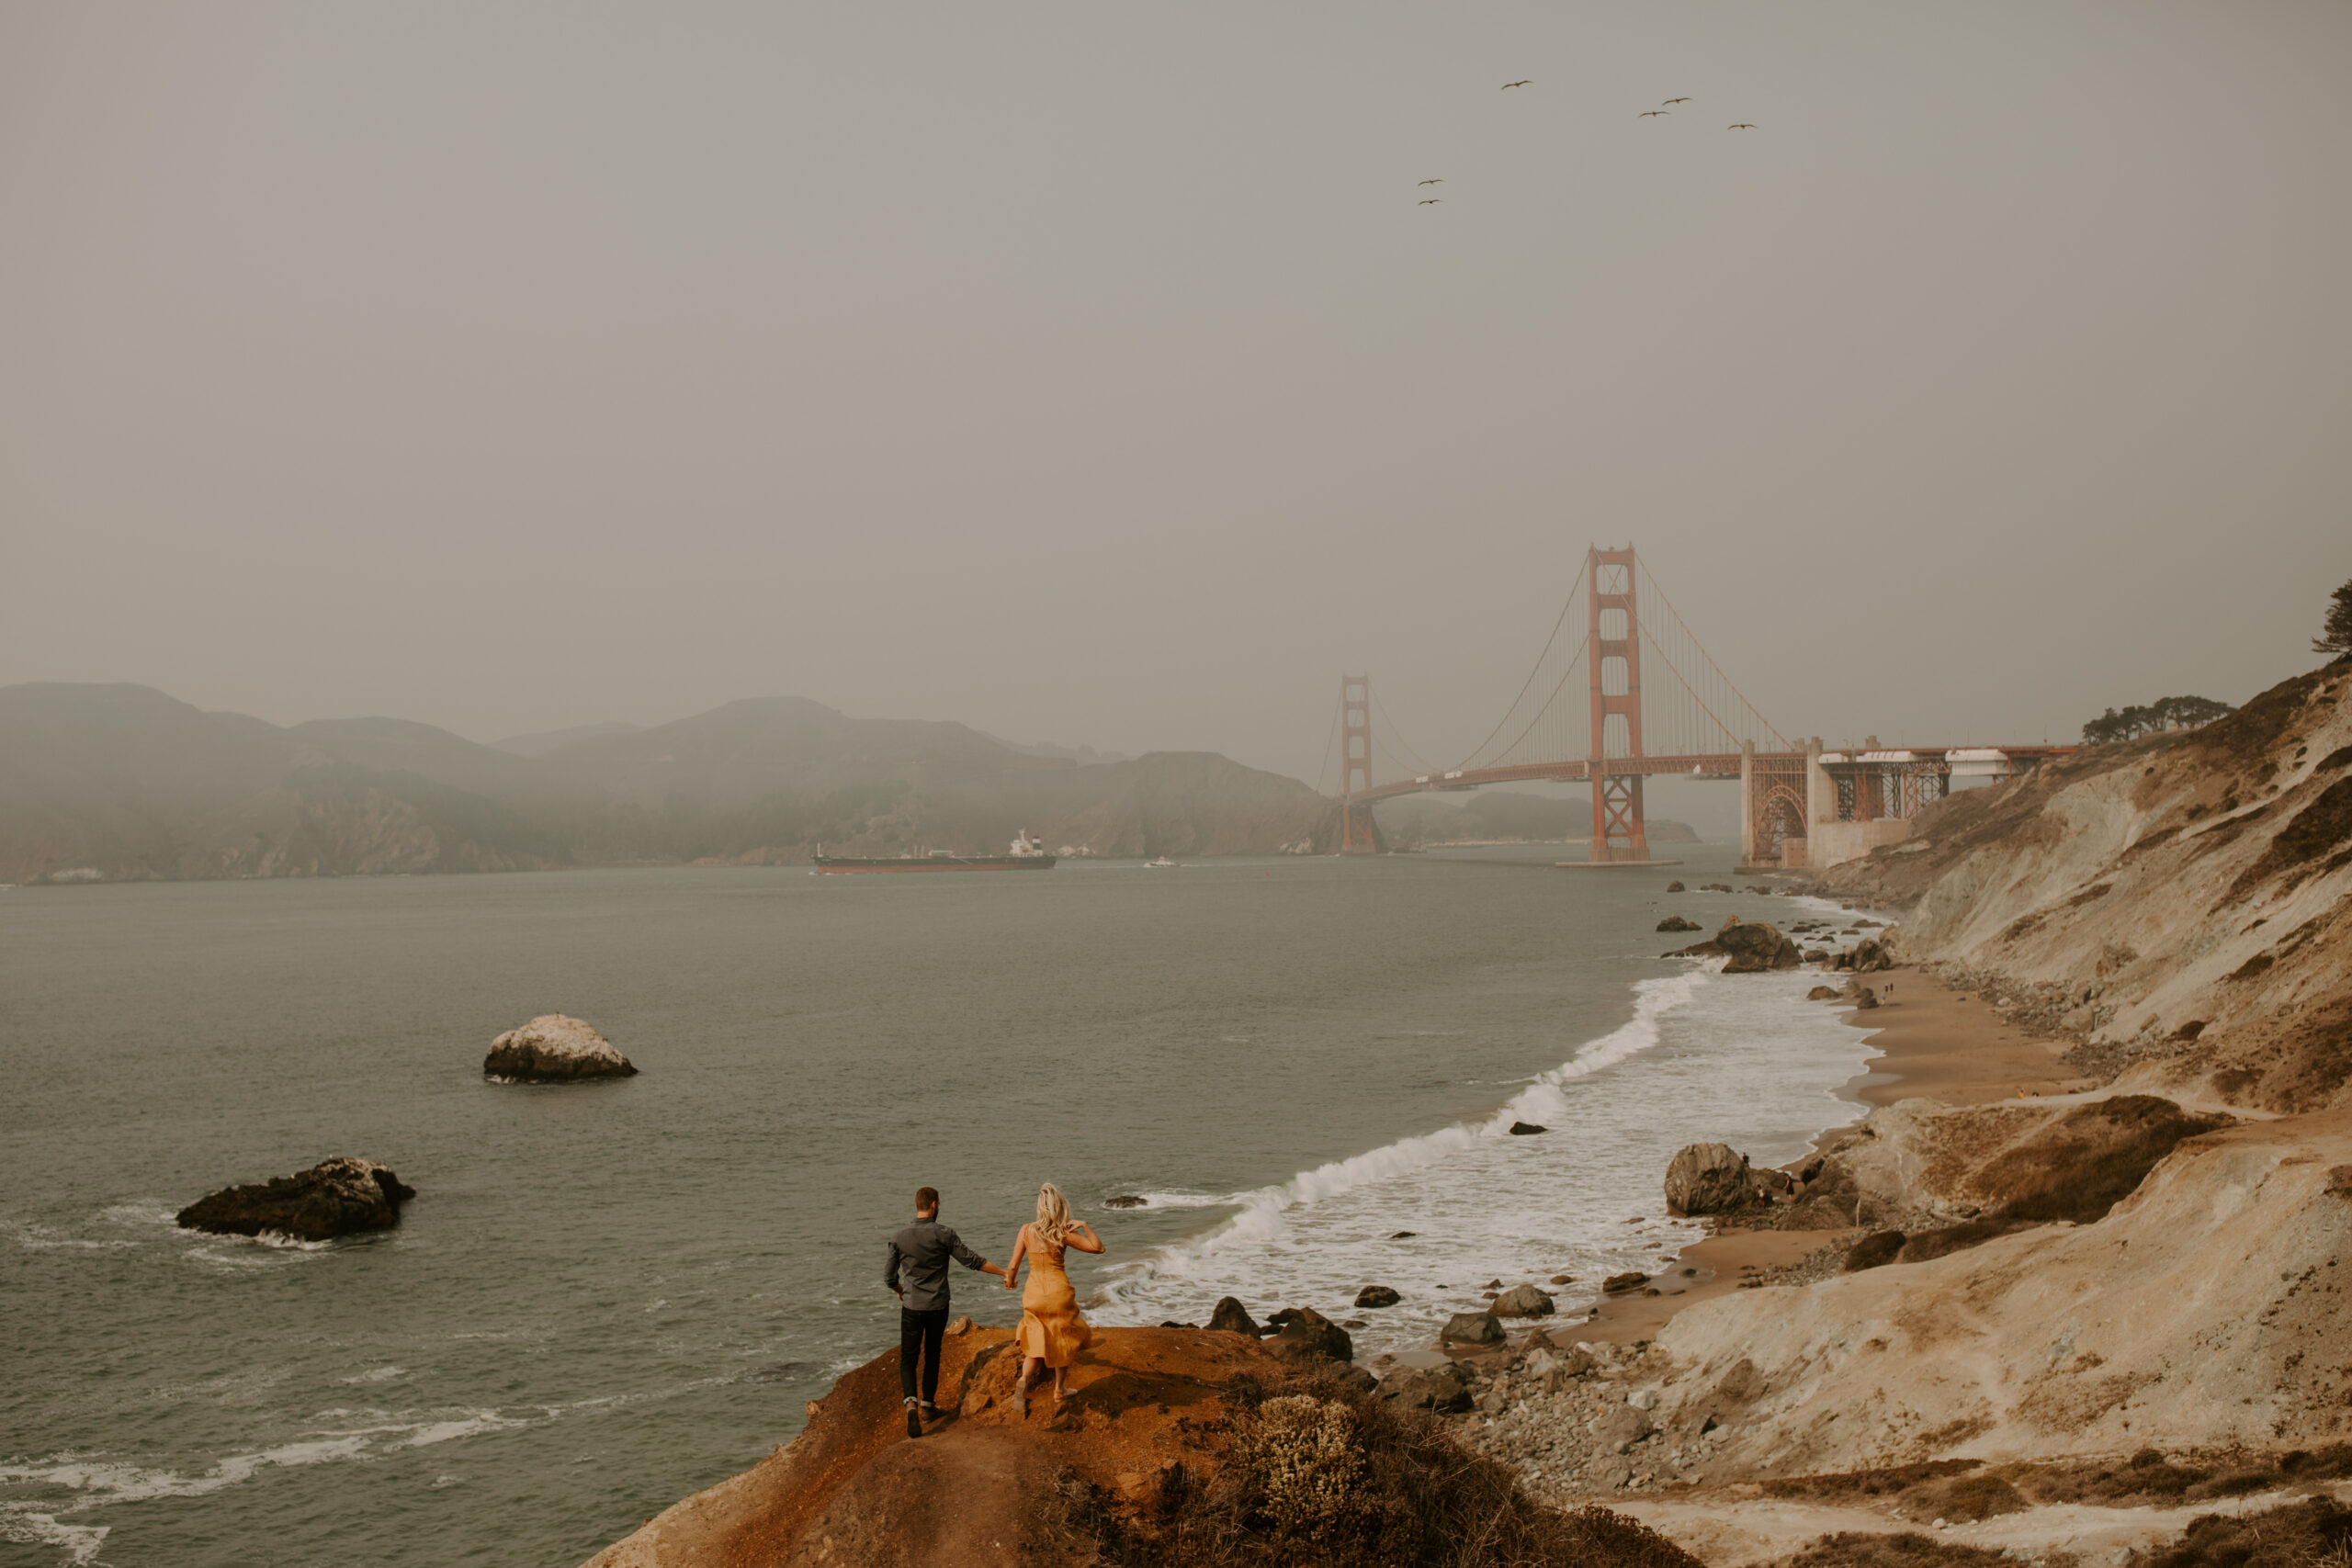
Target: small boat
x: 1161, y: 863
x: 1026, y: 854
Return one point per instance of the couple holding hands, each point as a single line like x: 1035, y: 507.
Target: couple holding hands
x: 1051, y: 1333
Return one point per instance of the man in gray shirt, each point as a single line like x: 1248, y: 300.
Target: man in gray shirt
x: 920, y: 1252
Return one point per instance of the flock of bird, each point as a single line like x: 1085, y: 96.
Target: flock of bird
x: 1665, y: 109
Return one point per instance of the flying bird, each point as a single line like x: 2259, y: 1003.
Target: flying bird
x: 1434, y: 201
x: 1653, y: 114
x: 1678, y: 100
x: 1743, y: 124
x: 1435, y: 182
x: 1508, y: 86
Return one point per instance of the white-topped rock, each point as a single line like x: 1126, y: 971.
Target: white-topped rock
x: 553, y: 1048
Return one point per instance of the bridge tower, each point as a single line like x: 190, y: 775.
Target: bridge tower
x: 1356, y: 834
x: 1613, y: 620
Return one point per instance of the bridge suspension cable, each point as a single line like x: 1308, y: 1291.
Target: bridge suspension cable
x: 1696, y: 711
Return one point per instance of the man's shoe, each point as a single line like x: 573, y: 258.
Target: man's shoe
x: 930, y: 1413
x: 915, y: 1420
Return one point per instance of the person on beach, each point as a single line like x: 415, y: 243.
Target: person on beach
x: 920, y: 1252
x: 1051, y: 1331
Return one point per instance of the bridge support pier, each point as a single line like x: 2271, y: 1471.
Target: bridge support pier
x: 1618, y: 830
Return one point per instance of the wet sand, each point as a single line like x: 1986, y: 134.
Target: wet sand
x: 1931, y: 1041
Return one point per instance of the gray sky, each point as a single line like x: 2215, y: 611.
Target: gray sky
x: 1088, y: 372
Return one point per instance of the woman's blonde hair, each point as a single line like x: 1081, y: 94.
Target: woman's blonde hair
x: 1053, y: 1214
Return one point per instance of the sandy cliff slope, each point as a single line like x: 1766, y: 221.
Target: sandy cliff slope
x: 2181, y: 901
x: 2206, y: 1309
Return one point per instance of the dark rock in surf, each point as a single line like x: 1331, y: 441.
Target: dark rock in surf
x: 1822, y: 994
x: 1127, y: 1200
x: 1618, y: 1284
x: 1674, y: 887
x: 1755, y: 947
x: 1403, y: 1235
x: 1307, y: 1334
x: 336, y: 1197
x: 1865, y: 998
x: 1376, y: 1296
x: 1524, y: 1301
x: 1677, y: 923
x: 553, y: 1048
x: 1232, y: 1318
x: 1526, y: 1129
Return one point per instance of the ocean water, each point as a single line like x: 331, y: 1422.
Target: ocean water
x: 609, y: 1295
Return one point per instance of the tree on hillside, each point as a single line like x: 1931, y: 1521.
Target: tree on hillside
x: 2163, y: 713
x: 2335, y: 632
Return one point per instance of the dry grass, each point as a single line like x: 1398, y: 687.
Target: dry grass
x: 1853, y: 1549
x: 1317, y: 1475
x: 1885, y: 1483
x: 2317, y: 1530
x: 2151, y: 1478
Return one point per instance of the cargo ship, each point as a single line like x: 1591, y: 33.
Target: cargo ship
x: 1026, y: 854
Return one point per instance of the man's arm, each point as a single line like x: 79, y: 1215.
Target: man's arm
x: 890, y: 1273
x: 969, y: 1258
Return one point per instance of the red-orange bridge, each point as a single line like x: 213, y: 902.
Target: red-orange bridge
x: 1624, y: 691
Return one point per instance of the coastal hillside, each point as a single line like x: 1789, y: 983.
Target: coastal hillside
x: 2176, y: 907
x: 2117, y: 1286
x: 112, y: 782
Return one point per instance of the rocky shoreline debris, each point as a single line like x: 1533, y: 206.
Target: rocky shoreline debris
x: 339, y: 1197
x: 554, y: 1048
x: 1752, y: 947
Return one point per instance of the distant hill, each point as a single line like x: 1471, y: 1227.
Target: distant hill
x: 124, y: 782
x: 540, y: 742
x: 1503, y: 814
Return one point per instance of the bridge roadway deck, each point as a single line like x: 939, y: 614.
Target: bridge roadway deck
x: 1706, y: 765
x: 1720, y: 765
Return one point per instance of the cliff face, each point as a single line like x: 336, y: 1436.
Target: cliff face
x: 2181, y: 903
x: 116, y: 782
x: 2178, y: 906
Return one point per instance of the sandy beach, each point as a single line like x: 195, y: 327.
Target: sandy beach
x: 1931, y: 1040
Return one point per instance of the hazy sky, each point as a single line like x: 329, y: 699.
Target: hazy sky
x: 1089, y: 372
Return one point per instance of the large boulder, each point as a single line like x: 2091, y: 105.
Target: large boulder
x: 1445, y: 1389
x: 552, y: 1048
x: 1708, y: 1179
x: 1307, y: 1334
x: 336, y: 1197
x: 1376, y: 1296
x: 1231, y: 1317
x: 1677, y: 923
x: 1870, y: 957
x: 1479, y: 1328
x: 1756, y: 946
x: 1522, y: 1301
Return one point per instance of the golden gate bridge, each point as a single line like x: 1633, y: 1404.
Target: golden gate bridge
x: 1623, y: 692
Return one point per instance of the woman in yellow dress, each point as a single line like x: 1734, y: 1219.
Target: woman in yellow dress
x: 1051, y: 1330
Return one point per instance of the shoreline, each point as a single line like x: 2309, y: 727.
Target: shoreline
x: 1940, y: 1043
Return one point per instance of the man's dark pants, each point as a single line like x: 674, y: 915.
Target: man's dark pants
x: 919, y: 1334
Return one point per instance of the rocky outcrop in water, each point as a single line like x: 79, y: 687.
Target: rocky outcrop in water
x: 1755, y: 947
x: 1524, y: 1301
x: 1230, y: 1316
x: 553, y: 1048
x: 336, y: 1197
